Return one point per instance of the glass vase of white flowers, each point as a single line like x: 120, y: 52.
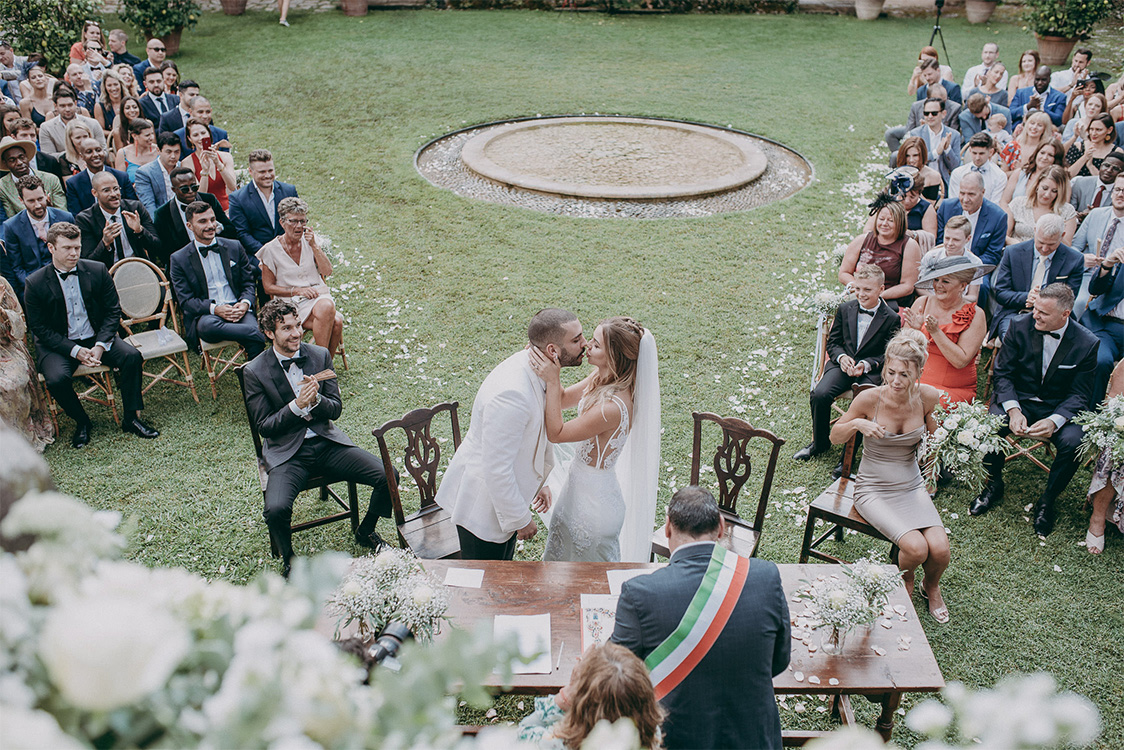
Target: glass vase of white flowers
x: 389, y: 587
x: 837, y: 606
x: 875, y: 580
x: 966, y: 432
x: 1104, y: 431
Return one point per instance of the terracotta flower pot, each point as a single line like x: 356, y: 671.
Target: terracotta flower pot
x: 354, y: 7
x: 978, y: 11
x: 868, y: 10
x: 233, y: 7
x: 1054, y: 50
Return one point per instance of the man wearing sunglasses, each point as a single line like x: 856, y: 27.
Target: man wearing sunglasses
x: 156, y: 53
x: 942, y: 141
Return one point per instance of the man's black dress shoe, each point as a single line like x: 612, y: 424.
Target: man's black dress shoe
x: 286, y: 568
x: 808, y: 452
x: 139, y: 428
x: 370, y: 540
x: 81, y: 437
x: 1043, y: 518
x: 991, y: 496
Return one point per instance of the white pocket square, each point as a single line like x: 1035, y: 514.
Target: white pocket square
x: 1066, y: 367
x: 232, y: 264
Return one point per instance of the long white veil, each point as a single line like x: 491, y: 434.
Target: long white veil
x: 638, y: 468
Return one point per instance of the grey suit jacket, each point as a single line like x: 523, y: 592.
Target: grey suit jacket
x: 951, y: 115
x: 1084, y: 189
x: 268, y: 394
x: 52, y: 134
x: 727, y: 699
x: 1093, y: 229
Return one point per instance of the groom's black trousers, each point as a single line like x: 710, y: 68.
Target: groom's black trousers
x: 475, y: 548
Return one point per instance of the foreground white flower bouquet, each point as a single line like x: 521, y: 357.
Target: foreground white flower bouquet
x: 388, y: 587
x: 826, y: 301
x: 966, y: 432
x: 1104, y: 430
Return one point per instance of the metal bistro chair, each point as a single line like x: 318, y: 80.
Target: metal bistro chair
x: 430, y: 532
x: 316, y: 481
x: 145, y: 297
x: 732, y: 466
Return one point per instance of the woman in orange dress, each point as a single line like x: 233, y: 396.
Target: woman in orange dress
x: 954, y: 326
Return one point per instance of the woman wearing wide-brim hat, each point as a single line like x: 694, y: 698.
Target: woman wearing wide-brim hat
x: 954, y: 326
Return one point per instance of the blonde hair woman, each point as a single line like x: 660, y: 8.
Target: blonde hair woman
x: 889, y: 491
x: 1037, y: 129
x: 1046, y: 193
x: 76, y: 132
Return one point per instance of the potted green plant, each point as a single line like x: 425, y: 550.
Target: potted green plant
x: 47, y: 26
x: 1058, y: 24
x: 165, y: 19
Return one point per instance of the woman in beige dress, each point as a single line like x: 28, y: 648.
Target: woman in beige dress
x: 21, y: 402
x: 293, y: 267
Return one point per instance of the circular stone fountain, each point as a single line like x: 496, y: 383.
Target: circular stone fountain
x: 610, y: 166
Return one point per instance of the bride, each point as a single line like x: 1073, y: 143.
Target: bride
x: 607, y: 503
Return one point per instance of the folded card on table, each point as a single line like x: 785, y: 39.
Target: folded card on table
x: 599, y: 617
x: 532, y: 634
x: 467, y: 578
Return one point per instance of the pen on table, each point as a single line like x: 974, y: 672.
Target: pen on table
x: 558, y: 664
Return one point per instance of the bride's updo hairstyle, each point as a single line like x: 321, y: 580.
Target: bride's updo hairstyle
x: 910, y: 346
x: 622, y: 346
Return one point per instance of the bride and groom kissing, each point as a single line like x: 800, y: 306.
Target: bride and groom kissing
x: 601, y: 493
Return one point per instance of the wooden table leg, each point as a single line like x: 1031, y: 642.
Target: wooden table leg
x: 885, y: 725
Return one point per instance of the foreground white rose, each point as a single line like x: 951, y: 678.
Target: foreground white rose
x: 110, y: 652
x: 940, y: 434
x: 965, y: 438
x: 930, y: 718
x: 33, y: 730
x: 837, y: 599
x: 849, y: 738
x: 1118, y: 423
x: 423, y: 595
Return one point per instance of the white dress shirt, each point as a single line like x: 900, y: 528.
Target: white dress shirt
x: 77, y: 319
x: 1049, y: 349
x: 218, y: 287
x: 973, y: 219
x: 126, y: 248
x: 995, y: 180
x: 266, y: 201
x: 295, y: 376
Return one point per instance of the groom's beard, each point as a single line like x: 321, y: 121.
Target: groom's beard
x: 565, y: 360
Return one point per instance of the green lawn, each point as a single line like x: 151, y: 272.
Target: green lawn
x: 439, y: 288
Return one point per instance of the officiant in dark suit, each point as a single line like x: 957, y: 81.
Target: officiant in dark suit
x: 74, y: 312
x: 170, y: 220
x: 293, y: 413
x: 1044, y: 376
x: 855, y: 348
x: 115, y: 228
x: 726, y: 700
x: 214, y: 284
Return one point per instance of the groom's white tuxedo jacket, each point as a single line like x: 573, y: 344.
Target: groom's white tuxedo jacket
x: 504, y: 459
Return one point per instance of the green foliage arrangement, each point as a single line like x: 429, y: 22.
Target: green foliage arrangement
x: 159, y: 17
x: 1066, y: 18
x: 47, y: 26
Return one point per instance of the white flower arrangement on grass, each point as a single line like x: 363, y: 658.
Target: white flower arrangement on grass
x: 388, y: 587
x: 967, y: 431
x: 1104, y: 431
x: 826, y: 301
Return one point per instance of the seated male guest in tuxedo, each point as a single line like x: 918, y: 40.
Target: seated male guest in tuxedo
x: 174, y: 118
x: 74, y: 312
x: 15, y: 163
x: 855, y: 346
x: 720, y: 693
x: 1044, y: 375
x: 253, y: 207
x: 293, y: 413
x: 115, y: 228
x: 1104, y: 315
x: 153, y: 181
x: 79, y: 188
x: 1095, y: 190
x: 171, y: 219
x: 155, y: 101
x: 1039, y: 96
x: 214, y: 285
x: 1028, y: 267
x: 25, y: 234
x: 201, y: 110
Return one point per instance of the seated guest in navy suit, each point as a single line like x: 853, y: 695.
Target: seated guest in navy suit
x: 171, y: 220
x: 174, y: 118
x: 25, y: 234
x: 1044, y: 376
x: 1028, y: 267
x: 156, y: 52
x: 989, y: 223
x: 253, y: 207
x: 201, y: 110
x: 855, y: 347
x: 115, y: 228
x: 74, y: 311
x: 155, y: 101
x: 720, y: 693
x: 214, y: 285
x: 1105, y: 313
x: 118, y: 45
x: 79, y: 188
x: 1039, y: 96
x: 153, y: 181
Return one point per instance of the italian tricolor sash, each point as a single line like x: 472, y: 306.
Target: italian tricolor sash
x: 704, y: 619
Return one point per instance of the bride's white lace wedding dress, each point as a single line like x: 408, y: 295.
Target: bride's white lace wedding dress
x: 590, y: 511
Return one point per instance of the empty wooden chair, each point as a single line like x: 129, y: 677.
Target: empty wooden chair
x: 430, y: 532
x: 733, y: 467
x: 220, y: 357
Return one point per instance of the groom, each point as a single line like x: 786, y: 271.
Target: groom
x: 502, y: 464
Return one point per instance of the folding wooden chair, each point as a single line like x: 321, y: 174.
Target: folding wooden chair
x: 732, y: 466
x: 145, y: 296
x: 99, y: 380
x: 430, y: 532
x: 218, y: 358
x: 819, y: 362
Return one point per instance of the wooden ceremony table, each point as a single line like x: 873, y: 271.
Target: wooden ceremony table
x: 529, y: 588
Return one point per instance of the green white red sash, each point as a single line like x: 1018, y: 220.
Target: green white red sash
x: 704, y: 619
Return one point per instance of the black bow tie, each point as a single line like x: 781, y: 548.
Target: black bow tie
x: 64, y: 275
x: 298, y: 361
x: 1051, y: 334
x: 864, y: 311
x: 205, y: 250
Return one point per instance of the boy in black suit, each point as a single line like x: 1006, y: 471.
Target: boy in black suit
x: 855, y: 348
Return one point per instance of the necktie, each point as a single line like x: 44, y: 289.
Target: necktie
x: 977, y: 169
x: 1051, y: 334
x: 118, y: 248
x: 1097, y: 198
x: 298, y: 361
x: 64, y: 275
x: 206, y: 249
x: 1106, y: 243
x: 864, y: 311
x: 1039, y: 273
x: 160, y: 104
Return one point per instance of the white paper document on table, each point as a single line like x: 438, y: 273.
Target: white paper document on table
x: 618, y: 577
x: 532, y: 633
x: 599, y: 617
x: 466, y: 578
